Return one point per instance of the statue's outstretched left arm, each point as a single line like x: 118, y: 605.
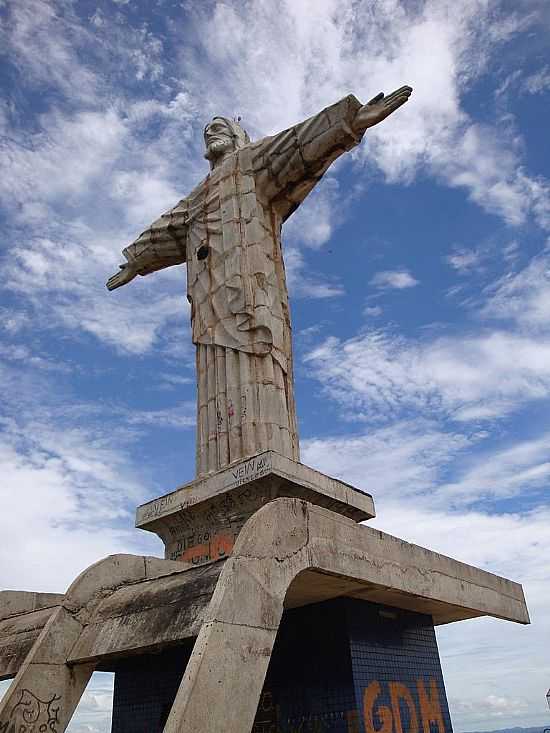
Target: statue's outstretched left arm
x: 289, y: 165
x: 160, y: 246
x: 379, y: 108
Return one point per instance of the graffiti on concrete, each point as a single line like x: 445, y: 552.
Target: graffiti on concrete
x: 207, y: 532
x: 250, y: 470
x: 32, y: 715
x: 212, y: 548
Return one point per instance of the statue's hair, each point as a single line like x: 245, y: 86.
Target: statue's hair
x: 238, y: 133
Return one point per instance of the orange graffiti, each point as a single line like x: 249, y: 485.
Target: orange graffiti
x: 219, y: 546
x: 390, y: 719
x: 384, y: 713
x: 399, y: 691
x: 430, y: 706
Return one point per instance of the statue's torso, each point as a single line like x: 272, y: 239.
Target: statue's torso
x: 238, y: 291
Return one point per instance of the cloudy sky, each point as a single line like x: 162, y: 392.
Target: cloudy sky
x: 419, y: 275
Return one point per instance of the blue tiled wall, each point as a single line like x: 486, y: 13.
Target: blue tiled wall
x: 145, y: 687
x: 394, y: 654
x: 309, y: 685
x: 350, y: 666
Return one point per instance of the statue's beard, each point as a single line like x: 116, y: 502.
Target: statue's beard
x: 217, y: 148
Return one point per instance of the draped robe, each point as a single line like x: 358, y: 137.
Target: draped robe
x: 228, y: 231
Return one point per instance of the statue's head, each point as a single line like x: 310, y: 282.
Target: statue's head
x: 222, y: 136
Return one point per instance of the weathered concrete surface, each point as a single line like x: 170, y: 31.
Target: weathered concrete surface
x: 15, y: 602
x: 200, y: 521
x: 23, y: 615
x: 46, y: 689
x: 148, y: 615
x: 223, y: 680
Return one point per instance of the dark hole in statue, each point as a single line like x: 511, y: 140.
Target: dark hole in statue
x: 202, y: 252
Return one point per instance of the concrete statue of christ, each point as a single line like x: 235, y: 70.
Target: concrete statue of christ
x: 228, y: 232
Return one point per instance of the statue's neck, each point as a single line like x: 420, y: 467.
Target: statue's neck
x: 215, y: 162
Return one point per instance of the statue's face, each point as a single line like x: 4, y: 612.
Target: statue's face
x: 218, y: 139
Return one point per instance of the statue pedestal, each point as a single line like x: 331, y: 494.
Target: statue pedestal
x: 200, y: 521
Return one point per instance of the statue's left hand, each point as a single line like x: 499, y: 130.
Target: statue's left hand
x: 380, y: 107
x: 127, y: 273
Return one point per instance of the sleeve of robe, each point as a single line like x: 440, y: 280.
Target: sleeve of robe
x: 288, y: 165
x: 162, y: 244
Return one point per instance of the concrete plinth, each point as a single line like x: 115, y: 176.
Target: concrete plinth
x: 200, y: 521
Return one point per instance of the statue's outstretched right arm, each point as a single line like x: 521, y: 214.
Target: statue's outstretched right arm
x: 160, y: 246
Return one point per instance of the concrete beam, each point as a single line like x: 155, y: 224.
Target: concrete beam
x: 23, y: 615
x: 145, y: 616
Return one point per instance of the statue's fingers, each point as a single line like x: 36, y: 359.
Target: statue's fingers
x: 113, y: 282
x: 406, y: 89
x: 402, y: 92
x: 404, y: 95
x: 376, y: 99
x: 396, y: 102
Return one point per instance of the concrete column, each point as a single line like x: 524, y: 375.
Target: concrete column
x: 46, y: 690
x: 223, y: 681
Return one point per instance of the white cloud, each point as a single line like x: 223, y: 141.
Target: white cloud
x: 69, y: 486
x: 401, y: 460
x: 181, y: 415
x: 523, y: 297
x: 306, y: 283
x: 464, y: 260
x: 520, y: 469
x: 371, y: 311
x: 397, y: 279
x: 538, y: 82
x: 474, y: 376
x: 377, y: 375
x: 12, y: 322
x: 94, y: 711
x: 63, y: 281
x: 413, y: 458
x: 62, y: 498
x: 62, y: 161
x: 314, y: 222
x: 37, y: 24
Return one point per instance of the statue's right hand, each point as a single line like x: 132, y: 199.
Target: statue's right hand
x: 126, y: 274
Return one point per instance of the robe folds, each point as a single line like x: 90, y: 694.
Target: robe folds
x: 228, y: 231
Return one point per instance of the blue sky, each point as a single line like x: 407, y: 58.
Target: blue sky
x: 419, y: 276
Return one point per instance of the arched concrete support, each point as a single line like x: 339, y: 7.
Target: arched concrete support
x: 46, y: 690
x: 221, y: 687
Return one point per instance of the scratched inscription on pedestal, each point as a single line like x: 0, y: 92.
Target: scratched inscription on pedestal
x: 158, y: 507
x: 247, y: 471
